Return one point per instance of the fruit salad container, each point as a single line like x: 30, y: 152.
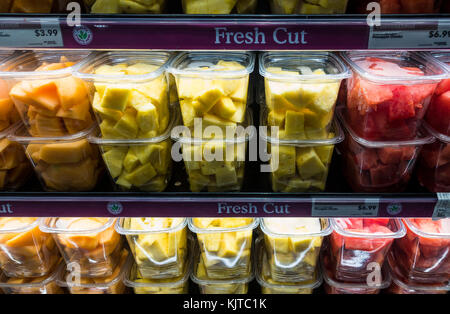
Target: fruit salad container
x: 300, y: 165
x: 49, y: 99
x: 65, y: 163
x: 128, y: 6
x: 8, y: 112
x: 264, y: 276
x: 389, y: 93
x: 91, y: 243
x: 292, y: 246
x: 370, y: 285
x: 359, y: 244
x: 398, y: 6
x: 379, y: 166
x: 433, y: 170
x: 213, y: 86
x: 208, y: 285
x: 225, y: 245
x: 129, y: 92
x: 37, y: 285
x: 423, y: 255
x: 159, y: 245
x: 26, y: 251
x: 15, y: 169
x: 216, y: 165
x: 308, y: 6
x: 301, y: 90
x: 111, y: 284
x: 219, y: 7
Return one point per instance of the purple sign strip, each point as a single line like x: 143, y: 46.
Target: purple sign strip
x: 188, y: 34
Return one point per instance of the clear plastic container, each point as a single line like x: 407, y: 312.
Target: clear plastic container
x: 389, y: 93
x: 159, y: 245
x: 50, y: 101
x: 92, y: 243
x: 111, y: 284
x: 216, y: 165
x: 264, y: 276
x: 15, y: 169
x: 128, y: 6
x: 433, y: 170
x: 308, y: 6
x: 65, y: 163
x: 423, y: 255
x: 301, y: 165
x: 213, y: 86
x: 379, y: 166
x: 208, y: 285
x: 397, y: 6
x: 357, y: 243
x: 219, y: 7
x: 8, y: 112
x: 26, y: 251
x: 129, y: 92
x: 438, y: 114
x: 335, y: 286
x: 225, y: 245
x: 301, y: 91
x: 292, y: 246
x: 37, y: 285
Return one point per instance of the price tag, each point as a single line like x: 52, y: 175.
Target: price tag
x: 419, y: 35
x: 442, y: 208
x: 30, y: 33
x: 325, y: 208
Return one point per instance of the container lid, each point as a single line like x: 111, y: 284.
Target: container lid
x: 370, y: 228
x: 438, y: 135
x: 22, y: 136
x: 65, y: 225
x: 205, y: 64
x: 429, y: 228
x: 36, y: 281
x: 300, y: 66
x: 18, y: 224
x: 252, y: 224
x: 423, y: 136
x: 23, y: 66
x: 149, y: 225
x: 417, y: 287
x: 86, y: 69
x: 444, y: 59
x: 296, y: 227
x: 401, y: 67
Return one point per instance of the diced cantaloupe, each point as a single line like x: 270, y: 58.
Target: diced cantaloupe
x: 71, y: 92
x: 80, y: 111
x: 48, y: 126
x: 70, y: 152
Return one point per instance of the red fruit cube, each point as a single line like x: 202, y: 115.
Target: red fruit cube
x: 374, y: 94
x: 390, y: 155
x: 403, y: 105
x: 368, y: 222
x: 383, y: 174
x: 408, y: 152
x: 367, y: 159
x: 350, y: 223
x: 442, y: 87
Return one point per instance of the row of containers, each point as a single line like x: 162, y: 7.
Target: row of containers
x: 223, y: 255
x: 227, y: 7
x: 79, y: 108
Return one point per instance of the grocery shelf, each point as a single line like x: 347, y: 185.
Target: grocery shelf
x: 231, y: 32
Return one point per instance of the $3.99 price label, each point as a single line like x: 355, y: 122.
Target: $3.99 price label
x: 50, y: 32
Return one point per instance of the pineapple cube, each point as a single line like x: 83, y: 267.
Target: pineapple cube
x: 156, y: 184
x: 300, y: 244
x: 127, y: 126
x: 190, y: 88
x: 107, y: 129
x: 295, y: 123
x: 240, y: 93
x: 105, y: 113
x: 138, y: 99
x: 286, y: 156
x: 212, y: 120
x: 228, y: 246
x: 197, y: 180
x: 115, y: 98
x: 297, y: 185
x: 208, y: 99
x: 209, y: 168
x: 123, y: 182
x: 239, y: 115
x: 131, y: 161
x: 322, y: 97
x: 141, y: 68
x: 225, y: 108
x: 226, y: 175
x: 309, y: 164
x: 141, y: 175
x: 188, y: 112
x: 276, y: 118
x: 280, y: 245
x: 147, y: 117
x: 192, y: 156
x: 114, y: 160
x: 325, y: 153
x: 212, y: 242
x: 319, y: 184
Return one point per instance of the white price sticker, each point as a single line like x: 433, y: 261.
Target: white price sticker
x: 30, y: 33
x: 442, y: 208
x: 420, y: 35
x: 325, y: 208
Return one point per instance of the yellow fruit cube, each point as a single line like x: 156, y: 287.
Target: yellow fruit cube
x: 131, y: 161
x: 309, y: 164
x: 276, y: 118
x: 127, y: 125
x: 295, y: 124
x: 123, y: 182
x: 141, y: 175
x: 225, y: 108
x: 105, y: 113
x: 114, y: 160
x: 147, y: 118
x: 286, y: 157
x: 226, y: 175
x: 141, y: 68
x: 212, y: 242
x: 192, y: 156
x: 107, y: 129
x: 297, y: 185
x: 325, y: 153
x: 228, y: 246
x: 115, y: 98
x: 208, y: 99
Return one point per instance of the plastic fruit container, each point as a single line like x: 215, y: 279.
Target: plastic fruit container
x: 292, y: 246
x: 264, y: 276
x: 8, y: 112
x: 66, y: 163
x: 217, y: 164
x: 111, y: 284
x: 398, y: 6
x: 49, y: 99
x: 423, y: 255
x: 159, y: 245
x: 225, y: 245
x: 128, y: 6
x: 308, y: 6
x: 357, y: 243
x: 37, y: 285
x: 301, y: 90
x: 219, y: 7
x: 129, y: 92
x: 213, y: 86
x: 26, y: 251
x: 367, y: 286
x: 301, y: 165
x: 379, y: 166
x: 400, y: 285
x: 433, y: 170
x: 389, y: 93
x: 15, y: 169
x: 92, y: 243
x: 26, y: 6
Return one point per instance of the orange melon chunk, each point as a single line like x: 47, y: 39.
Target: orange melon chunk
x: 43, y: 94
x: 51, y: 67
x: 28, y: 238
x: 75, y: 126
x: 72, y: 92
x: 3, y: 178
x: 48, y: 126
x: 65, y: 152
x: 6, y: 106
x: 77, y: 112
